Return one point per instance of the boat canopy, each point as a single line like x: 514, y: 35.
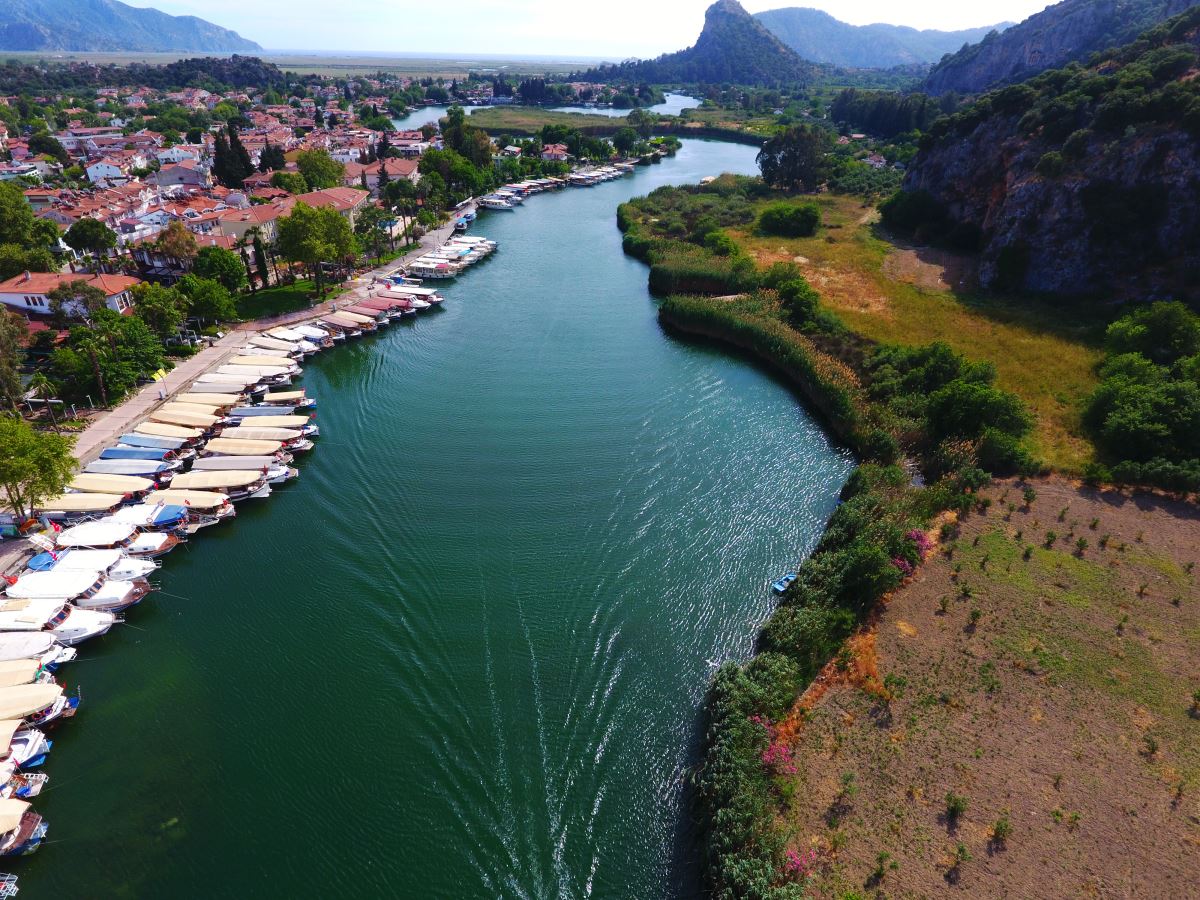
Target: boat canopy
x: 218, y: 481
x: 234, y: 463
x: 198, y: 500
x: 383, y: 303
x: 187, y: 406
x: 258, y: 359
x: 273, y: 343
x: 103, y: 483
x: 11, y: 811
x: 140, y: 468
x: 358, y: 309
x: 282, y: 396
x: 68, y: 560
x: 258, y: 433
x: 9, y: 727
x: 149, y: 514
x: 23, y: 646
x: 342, y: 322
x: 18, y: 671
x: 25, y: 700
x: 165, y: 429
x: 218, y: 400
x: 257, y: 372
x: 414, y: 291
x: 257, y: 412
x: 186, y: 419
x: 151, y: 442
x: 157, y: 454
x: 225, y: 381
x: 236, y: 447
x: 66, y: 585
x: 276, y: 421
x: 82, y: 503
x: 96, y: 534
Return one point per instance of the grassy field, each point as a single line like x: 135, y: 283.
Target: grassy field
x: 888, y: 292
x: 282, y: 298
x: 530, y: 119
x: 1037, y: 671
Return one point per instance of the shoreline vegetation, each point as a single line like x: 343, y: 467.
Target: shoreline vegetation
x: 930, y: 428
x: 528, y: 121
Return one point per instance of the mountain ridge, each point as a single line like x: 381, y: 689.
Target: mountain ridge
x: 109, y: 25
x: 817, y: 36
x: 1060, y: 34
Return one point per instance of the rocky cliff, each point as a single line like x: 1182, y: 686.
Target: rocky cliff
x: 1080, y: 181
x: 1066, y: 32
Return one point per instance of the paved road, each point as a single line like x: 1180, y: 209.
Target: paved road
x: 106, y: 428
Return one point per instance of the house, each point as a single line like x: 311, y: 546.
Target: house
x: 236, y: 223
x: 12, y: 171
x: 29, y: 291
x: 107, y: 171
x: 176, y: 154
x: 397, y: 169
x: 187, y: 173
x: 555, y: 152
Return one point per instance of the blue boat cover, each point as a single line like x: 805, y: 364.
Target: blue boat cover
x: 148, y: 453
x: 147, y: 440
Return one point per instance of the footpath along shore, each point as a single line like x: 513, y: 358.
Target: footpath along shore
x: 104, y: 430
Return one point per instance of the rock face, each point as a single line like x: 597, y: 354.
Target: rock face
x: 1063, y: 33
x: 109, y: 25
x: 733, y: 47
x: 815, y: 35
x: 1098, y: 199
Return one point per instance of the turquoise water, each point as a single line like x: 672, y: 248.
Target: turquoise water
x: 464, y: 654
x: 672, y: 106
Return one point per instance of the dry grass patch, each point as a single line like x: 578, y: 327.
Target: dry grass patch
x: 904, y: 295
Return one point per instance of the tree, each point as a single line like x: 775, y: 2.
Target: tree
x: 90, y: 235
x: 14, y: 260
x: 161, y: 308
x: 222, y: 168
x: 383, y: 149
x: 223, y: 266
x: 240, y: 155
x: 642, y: 122
x: 1162, y: 332
x: 207, y: 300
x: 624, y: 140
x: 76, y: 298
x: 260, y: 258
x: 49, y: 145
x: 42, y: 387
x: 34, y: 466
x: 271, y: 158
x: 177, y: 241
x: 371, y: 226
x: 106, y: 357
x: 16, y: 215
x: 315, y: 236
x: 12, y: 330
x: 795, y: 160
x: 292, y: 182
x: 319, y: 169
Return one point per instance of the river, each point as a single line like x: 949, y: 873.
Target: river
x: 464, y: 654
x: 673, y: 105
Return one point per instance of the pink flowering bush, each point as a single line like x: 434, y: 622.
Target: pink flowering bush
x: 778, y: 755
x: 922, y: 541
x: 905, y: 567
x: 801, y: 865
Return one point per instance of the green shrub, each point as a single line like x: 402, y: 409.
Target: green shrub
x: 1051, y: 165
x: 790, y: 220
x: 799, y: 300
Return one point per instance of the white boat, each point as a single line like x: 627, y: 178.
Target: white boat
x: 292, y: 440
x: 276, y: 472
x: 20, y: 744
x: 216, y: 383
x: 113, y: 563
x: 21, y: 829
x: 162, y: 429
x: 234, y: 447
x: 492, y: 202
x: 213, y: 399
x: 289, y: 365
x: 295, y: 399
x: 238, y: 484
x: 265, y: 376
x: 308, y: 332
x: 113, y: 484
x: 72, y: 507
x: 151, y: 516
x: 85, y: 588
x: 204, y: 507
x: 108, y: 535
x: 262, y: 343
x: 69, y: 624
x: 40, y: 646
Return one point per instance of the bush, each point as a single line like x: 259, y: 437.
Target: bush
x: 1051, y: 165
x: 799, y: 300
x: 909, y: 211
x: 790, y: 220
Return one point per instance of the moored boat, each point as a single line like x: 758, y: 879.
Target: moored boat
x: 40, y: 646
x: 68, y: 624
x: 21, y: 829
x: 113, y: 563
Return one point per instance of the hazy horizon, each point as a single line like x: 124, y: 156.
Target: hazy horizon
x: 524, y: 29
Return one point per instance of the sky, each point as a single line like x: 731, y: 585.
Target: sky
x: 614, y: 30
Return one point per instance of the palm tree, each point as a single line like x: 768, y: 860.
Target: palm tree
x: 43, y: 388
x: 92, y: 345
